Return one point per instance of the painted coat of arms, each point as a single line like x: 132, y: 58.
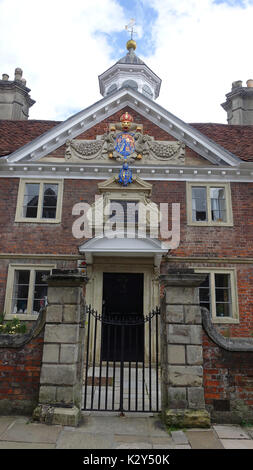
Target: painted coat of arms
x: 125, y: 140
x: 125, y: 144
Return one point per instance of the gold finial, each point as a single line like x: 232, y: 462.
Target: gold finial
x: 131, y: 44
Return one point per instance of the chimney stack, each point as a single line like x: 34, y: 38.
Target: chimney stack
x: 15, y: 100
x: 239, y: 104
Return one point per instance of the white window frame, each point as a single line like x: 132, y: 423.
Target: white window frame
x: 209, y: 222
x: 234, y: 318
x: 10, y: 287
x: 21, y: 192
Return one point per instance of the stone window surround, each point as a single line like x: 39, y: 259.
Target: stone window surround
x: 139, y: 192
x: 21, y: 191
x: 10, y: 286
x: 233, y: 279
x: 209, y: 222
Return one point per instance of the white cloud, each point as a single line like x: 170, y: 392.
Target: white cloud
x: 62, y: 47
x: 201, y: 48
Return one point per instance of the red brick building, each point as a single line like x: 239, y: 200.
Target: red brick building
x: 51, y: 173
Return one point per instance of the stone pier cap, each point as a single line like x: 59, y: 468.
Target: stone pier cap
x: 66, y: 277
x: 182, y: 277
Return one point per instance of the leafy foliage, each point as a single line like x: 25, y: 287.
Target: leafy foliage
x: 11, y: 327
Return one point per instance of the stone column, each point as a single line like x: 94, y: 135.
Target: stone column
x: 60, y: 397
x: 182, y: 389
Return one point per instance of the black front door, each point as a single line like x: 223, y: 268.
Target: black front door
x: 122, y: 317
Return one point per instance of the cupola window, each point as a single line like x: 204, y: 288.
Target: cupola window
x: 111, y: 89
x: 146, y: 90
x: 130, y: 84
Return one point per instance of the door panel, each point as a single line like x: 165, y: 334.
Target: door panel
x: 122, y: 305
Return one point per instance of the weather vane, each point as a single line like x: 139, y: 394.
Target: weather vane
x: 130, y: 27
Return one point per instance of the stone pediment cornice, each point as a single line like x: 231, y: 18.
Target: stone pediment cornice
x: 138, y: 185
x: 99, y: 111
x: 152, y: 173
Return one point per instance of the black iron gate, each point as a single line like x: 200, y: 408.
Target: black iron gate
x: 123, y: 375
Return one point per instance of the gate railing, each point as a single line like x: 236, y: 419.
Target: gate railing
x: 126, y: 376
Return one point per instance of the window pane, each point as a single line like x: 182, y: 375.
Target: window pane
x: 204, y: 294
x: 199, y: 210
x: 40, y: 290
x: 129, y: 208
x: 31, y: 198
x: 223, y: 295
x: 20, y: 291
x: 218, y: 204
x: 50, y: 192
x: 223, y: 310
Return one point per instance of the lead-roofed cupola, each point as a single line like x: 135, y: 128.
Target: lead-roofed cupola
x: 130, y: 72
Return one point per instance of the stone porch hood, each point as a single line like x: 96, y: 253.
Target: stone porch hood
x: 123, y: 247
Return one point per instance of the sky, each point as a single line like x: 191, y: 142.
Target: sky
x: 197, y: 47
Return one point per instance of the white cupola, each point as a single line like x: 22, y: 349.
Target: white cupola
x: 130, y: 72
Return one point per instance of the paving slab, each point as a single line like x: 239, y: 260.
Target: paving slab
x: 203, y: 439
x: 230, y: 432
x: 237, y: 443
x: 115, y: 425
x: 179, y: 437
x: 138, y: 442
x: 128, y: 439
x: 159, y: 442
x: 5, y: 422
x: 31, y: 432
x: 25, y: 445
x: 22, y: 419
x: 110, y: 431
x: 249, y: 431
x: 157, y: 428
x: 184, y: 446
x: 136, y: 445
x: 80, y: 440
x: 164, y: 446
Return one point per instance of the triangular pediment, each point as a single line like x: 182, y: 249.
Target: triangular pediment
x: 103, y: 109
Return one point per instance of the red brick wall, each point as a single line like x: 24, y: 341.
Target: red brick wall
x: 20, y: 376
x: 228, y: 381
x: 42, y: 238
x: 236, y: 241
x: 244, y: 274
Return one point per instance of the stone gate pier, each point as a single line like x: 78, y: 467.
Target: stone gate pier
x: 60, y: 396
x: 182, y: 387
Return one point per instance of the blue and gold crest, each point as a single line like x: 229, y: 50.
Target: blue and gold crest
x: 125, y: 144
x: 125, y: 175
